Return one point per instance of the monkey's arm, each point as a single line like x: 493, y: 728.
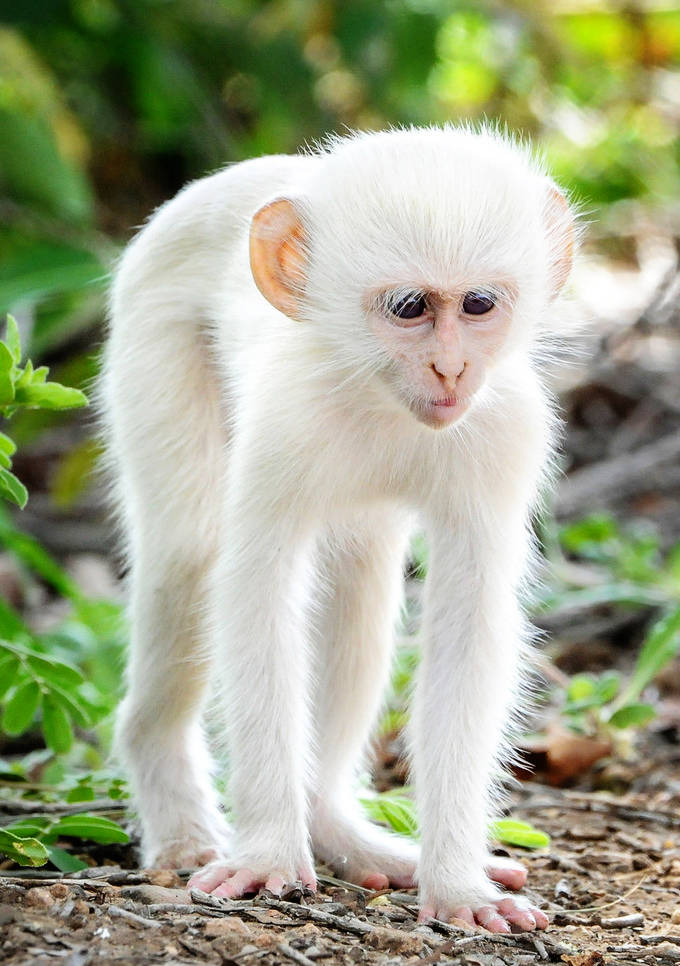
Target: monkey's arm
x: 470, y: 677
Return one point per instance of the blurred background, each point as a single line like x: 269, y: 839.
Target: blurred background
x: 107, y: 107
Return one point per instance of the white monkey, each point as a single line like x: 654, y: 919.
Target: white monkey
x: 307, y: 354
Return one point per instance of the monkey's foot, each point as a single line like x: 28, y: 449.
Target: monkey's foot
x: 182, y: 855
x: 361, y: 852
x: 500, y: 915
x: 227, y: 881
x: 507, y: 872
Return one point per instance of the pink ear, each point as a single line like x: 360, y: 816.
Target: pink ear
x: 278, y: 256
x: 561, y: 235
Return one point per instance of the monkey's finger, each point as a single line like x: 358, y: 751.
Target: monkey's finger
x: 542, y: 920
x: 465, y: 913
x: 275, y: 883
x: 427, y: 912
x: 375, y: 880
x: 308, y: 879
x: 489, y: 917
x: 518, y: 916
x: 507, y: 872
x: 206, y: 879
x: 238, y: 884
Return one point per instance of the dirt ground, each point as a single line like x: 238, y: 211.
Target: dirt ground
x: 610, y: 881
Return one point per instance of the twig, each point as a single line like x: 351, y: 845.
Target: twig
x: 623, y: 922
x: 295, y: 911
x: 34, y: 809
x: 617, y: 477
x: 604, y: 905
x: 332, y: 881
x: 581, y: 801
x: 293, y: 954
x: 118, y: 912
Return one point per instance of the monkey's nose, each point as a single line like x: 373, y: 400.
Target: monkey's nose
x: 443, y: 377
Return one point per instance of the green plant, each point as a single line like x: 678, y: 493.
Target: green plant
x: 42, y: 675
x: 28, y: 388
x: 602, y: 705
x: 396, y: 809
x: 31, y: 841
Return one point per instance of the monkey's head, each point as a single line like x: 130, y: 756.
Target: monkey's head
x: 426, y: 259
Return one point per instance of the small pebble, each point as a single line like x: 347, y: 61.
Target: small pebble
x: 222, y: 927
x: 148, y: 894
x: 40, y: 898
x: 60, y: 890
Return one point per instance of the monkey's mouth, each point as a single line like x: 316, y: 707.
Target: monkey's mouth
x: 441, y: 412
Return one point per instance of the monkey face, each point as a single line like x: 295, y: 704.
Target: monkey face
x: 440, y: 345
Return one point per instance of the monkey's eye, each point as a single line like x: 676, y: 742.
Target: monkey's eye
x: 475, y: 303
x: 410, y: 306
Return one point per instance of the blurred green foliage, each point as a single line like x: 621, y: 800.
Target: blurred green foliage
x: 108, y: 106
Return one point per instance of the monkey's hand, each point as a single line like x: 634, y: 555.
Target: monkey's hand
x: 498, y: 913
x: 232, y: 880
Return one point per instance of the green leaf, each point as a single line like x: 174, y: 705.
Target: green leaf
x: 50, y: 395
x: 632, y: 715
x: 75, y: 706
x: 9, y: 665
x: 56, y: 725
x: 6, y: 358
x: 32, y: 827
x: 91, y: 827
x: 53, y: 671
x: 6, y: 376
x: 12, y: 339
x: 7, y: 445
x: 23, y: 851
x: 20, y: 709
x: 513, y: 832
x: 394, y: 809
x: 581, y: 686
x: 64, y: 861
x: 660, y: 646
x: 81, y: 793
x: 13, y: 489
x: 25, y: 378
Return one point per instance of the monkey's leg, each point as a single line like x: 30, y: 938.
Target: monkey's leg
x: 159, y: 734
x: 260, y: 620
x: 166, y: 448
x: 362, y: 573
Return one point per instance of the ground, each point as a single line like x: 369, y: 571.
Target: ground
x: 610, y: 881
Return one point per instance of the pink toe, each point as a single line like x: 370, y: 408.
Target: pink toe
x: 426, y: 913
x: 488, y: 917
x: 542, y: 920
x: 207, y: 879
x: 240, y: 883
x: 519, y: 915
x: 275, y: 884
x: 308, y: 879
x: 513, y: 877
x: 376, y: 880
x: 464, y: 913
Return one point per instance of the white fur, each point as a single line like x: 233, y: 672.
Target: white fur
x: 268, y: 472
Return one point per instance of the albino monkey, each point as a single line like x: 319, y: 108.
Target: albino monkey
x: 306, y: 354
